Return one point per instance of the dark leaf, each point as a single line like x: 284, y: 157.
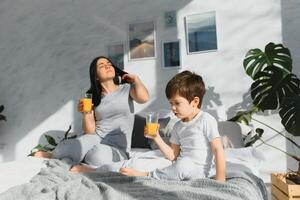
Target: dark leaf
x: 290, y: 114
x: 67, y: 132
x: 244, y: 116
x: 271, y: 85
x: 257, y: 136
x: 51, y: 140
x: 259, y: 131
x: 1, y: 108
x: 2, y: 117
x: 72, y: 137
x: 275, y: 54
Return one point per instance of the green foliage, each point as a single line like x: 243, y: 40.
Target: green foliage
x: 51, y: 143
x: 290, y: 114
x: 258, y: 134
x: 244, y: 116
x: 271, y: 85
x: 275, y: 54
x: 275, y: 87
x: 2, y: 117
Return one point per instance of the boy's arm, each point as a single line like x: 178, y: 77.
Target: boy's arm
x: 170, y: 152
x: 218, y: 151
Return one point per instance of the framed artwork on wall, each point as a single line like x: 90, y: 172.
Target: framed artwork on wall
x: 201, y: 32
x: 170, y: 19
x: 142, y: 43
x: 115, y: 52
x: 171, y: 57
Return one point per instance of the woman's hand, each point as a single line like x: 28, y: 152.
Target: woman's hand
x: 80, y: 108
x: 138, y: 91
x: 129, y: 78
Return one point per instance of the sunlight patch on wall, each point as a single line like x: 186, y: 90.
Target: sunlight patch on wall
x: 58, y: 122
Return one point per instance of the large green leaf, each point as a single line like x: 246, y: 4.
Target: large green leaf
x: 244, y: 116
x: 290, y: 114
x: 271, y: 85
x: 275, y: 54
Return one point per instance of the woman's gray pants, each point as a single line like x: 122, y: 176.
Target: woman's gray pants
x: 88, y: 149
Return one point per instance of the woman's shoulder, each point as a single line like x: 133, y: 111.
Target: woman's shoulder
x: 124, y: 88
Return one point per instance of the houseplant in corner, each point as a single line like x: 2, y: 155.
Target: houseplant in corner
x: 274, y: 87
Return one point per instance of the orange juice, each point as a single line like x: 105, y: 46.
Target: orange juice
x: 151, y: 129
x: 87, y: 104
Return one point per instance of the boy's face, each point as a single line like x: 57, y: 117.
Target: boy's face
x: 182, y: 108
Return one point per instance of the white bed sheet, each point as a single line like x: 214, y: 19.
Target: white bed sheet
x: 21, y: 171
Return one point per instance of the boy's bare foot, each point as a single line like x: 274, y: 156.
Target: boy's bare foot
x: 132, y: 172
x: 42, y: 154
x: 82, y: 168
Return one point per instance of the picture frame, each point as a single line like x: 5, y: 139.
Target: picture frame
x: 142, y: 41
x: 201, y: 32
x: 171, y: 54
x: 170, y: 19
x: 115, y: 52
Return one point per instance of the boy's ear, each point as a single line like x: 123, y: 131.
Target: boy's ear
x: 195, y: 102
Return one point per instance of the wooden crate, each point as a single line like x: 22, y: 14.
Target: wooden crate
x: 281, y: 190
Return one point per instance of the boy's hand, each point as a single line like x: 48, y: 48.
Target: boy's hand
x: 151, y: 135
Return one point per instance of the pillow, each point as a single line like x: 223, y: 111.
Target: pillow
x: 232, y: 133
x: 166, y: 121
x: 246, y: 159
x: 138, y: 140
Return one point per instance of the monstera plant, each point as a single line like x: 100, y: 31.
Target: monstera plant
x: 274, y: 87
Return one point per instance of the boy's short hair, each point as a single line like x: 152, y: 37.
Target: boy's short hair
x: 186, y: 84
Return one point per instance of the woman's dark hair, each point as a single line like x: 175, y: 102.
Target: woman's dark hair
x: 96, y: 88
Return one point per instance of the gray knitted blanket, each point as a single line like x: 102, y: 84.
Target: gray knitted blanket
x: 55, y: 182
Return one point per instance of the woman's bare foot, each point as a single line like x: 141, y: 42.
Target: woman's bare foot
x: 82, y: 168
x: 42, y: 154
x: 132, y: 172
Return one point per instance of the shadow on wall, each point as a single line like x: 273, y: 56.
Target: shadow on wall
x: 48, y: 48
x: 211, y: 103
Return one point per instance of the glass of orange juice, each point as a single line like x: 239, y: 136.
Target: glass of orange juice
x: 151, y: 124
x: 86, y: 101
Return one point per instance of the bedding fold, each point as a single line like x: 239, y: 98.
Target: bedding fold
x: 56, y: 182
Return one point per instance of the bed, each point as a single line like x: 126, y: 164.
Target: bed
x: 36, y: 178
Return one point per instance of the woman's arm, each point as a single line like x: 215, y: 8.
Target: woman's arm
x: 88, y: 122
x: 218, y: 151
x: 138, y: 92
x: 170, y: 152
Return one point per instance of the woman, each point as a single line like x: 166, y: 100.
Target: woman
x: 108, y: 127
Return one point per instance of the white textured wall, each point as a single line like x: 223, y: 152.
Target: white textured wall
x: 47, y: 45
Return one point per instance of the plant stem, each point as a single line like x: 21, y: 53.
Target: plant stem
x: 289, y: 139
x: 295, y: 157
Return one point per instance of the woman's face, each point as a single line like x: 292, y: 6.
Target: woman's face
x: 105, y: 70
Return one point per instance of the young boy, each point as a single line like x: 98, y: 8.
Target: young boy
x: 195, y: 138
